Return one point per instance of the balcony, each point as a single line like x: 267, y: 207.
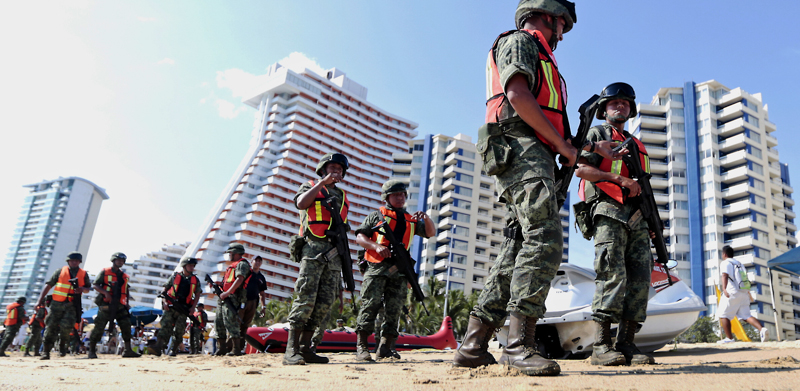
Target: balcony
x: 772, y: 154
x: 736, y: 191
x: 732, y: 143
x: 772, y: 141
x: 733, y: 159
x: 731, y: 112
x: 735, y: 175
x: 736, y: 207
x: 737, y: 226
x: 449, y: 172
x: 652, y: 135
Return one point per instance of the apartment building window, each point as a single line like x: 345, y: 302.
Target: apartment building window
x: 709, y: 169
x: 459, y: 273
x: 759, y: 218
x: 457, y: 286
x: 753, y: 135
x: 465, y: 165
x: 703, y: 124
x: 463, y: 231
x: 754, y: 151
x: 677, y: 127
x: 757, y: 184
x: 681, y: 239
x: 459, y: 259
x: 710, y: 185
x: 682, y: 205
x: 681, y: 222
x: 677, y: 142
x: 466, y: 154
x: 679, y: 189
x: 676, y: 113
x: 760, y: 236
x: 710, y: 254
x: 751, y: 119
x: 467, y: 192
x: 676, y: 97
x: 462, y: 217
x: 709, y: 220
x: 755, y: 167
x: 464, y: 178
x: 678, y: 174
x: 702, y: 108
x: 710, y: 237
x: 758, y: 200
x: 703, y: 138
x: 462, y: 203
x: 480, y: 238
x: 460, y: 244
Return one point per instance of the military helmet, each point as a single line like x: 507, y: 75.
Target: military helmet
x: 75, y: 255
x: 22, y: 299
x: 201, y: 305
x: 339, y: 320
x: 118, y: 255
x: 392, y: 186
x: 563, y: 8
x: 332, y: 158
x: 236, y: 248
x: 188, y: 261
x: 613, y: 91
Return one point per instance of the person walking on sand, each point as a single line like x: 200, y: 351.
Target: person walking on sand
x: 735, y: 298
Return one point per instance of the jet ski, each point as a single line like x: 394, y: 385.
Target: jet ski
x: 567, y: 329
x: 273, y: 339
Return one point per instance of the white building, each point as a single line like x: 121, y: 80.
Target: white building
x: 457, y: 194
x: 719, y: 181
x: 150, y: 272
x: 304, y: 112
x: 57, y: 217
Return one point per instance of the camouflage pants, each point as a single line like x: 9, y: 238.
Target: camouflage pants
x: 35, y: 342
x: 520, y: 279
x: 379, y: 319
x: 104, y: 315
x: 59, y: 322
x: 319, y: 333
x: 378, y: 291
x: 316, y: 290
x: 623, y: 264
x: 173, y: 324
x: 196, y: 337
x: 11, y: 332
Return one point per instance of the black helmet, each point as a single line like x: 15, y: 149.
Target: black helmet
x: 332, y: 158
x: 392, y: 186
x: 118, y: 255
x: 617, y: 90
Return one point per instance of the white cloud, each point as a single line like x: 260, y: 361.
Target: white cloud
x: 228, y: 110
x: 166, y: 61
x: 239, y: 82
x: 298, y: 62
x: 146, y: 19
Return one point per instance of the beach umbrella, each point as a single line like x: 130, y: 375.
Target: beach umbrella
x: 90, y: 314
x: 144, y: 315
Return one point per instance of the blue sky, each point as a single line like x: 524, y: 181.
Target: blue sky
x: 143, y: 98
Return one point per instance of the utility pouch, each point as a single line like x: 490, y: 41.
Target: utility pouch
x: 635, y: 219
x: 362, y: 261
x: 494, y: 149
x: 583, y: 219
x: 296, y: 244
x: 332, y: 258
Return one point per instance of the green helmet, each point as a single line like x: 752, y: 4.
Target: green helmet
x: 236, y: 248
x: 332, y: 158
x: 563, y: 8
x: 188, y: 261
x: 613, y: 91
x: 392, y: 186
x: 75, y: 255
x: 22, y: 299
x: 118, y: 255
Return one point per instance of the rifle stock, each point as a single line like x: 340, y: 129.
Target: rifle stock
x: 339, y: 235
x: 226, y: 301
x: 646, y: 201
x: 563, y: 176
x: 181, y: 308
x: 404, y: 263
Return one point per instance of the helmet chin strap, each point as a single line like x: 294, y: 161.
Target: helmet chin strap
x: 554, y: 37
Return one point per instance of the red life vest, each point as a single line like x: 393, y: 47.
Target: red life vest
x: 13, y: 314
x: 176, y: 284
x: 319, y: 219
x: 63, y: 288
x: 35, y: 318
x: 230, y: 276
x: 199, y: 316
x: 390, y: 217
x: 549, y: 88
x: 109, y: 278
x: 612, y: 189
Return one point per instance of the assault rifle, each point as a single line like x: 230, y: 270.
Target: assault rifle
x: 564, y: 174
x: 181, y: 308
x: 227, y: 301
x: 76, y: 298
x: 646, y: 201
x: 116, y: 293
x: 339, y: 235
x: 403, y: 262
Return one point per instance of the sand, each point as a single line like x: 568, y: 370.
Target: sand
x: 735, y: 366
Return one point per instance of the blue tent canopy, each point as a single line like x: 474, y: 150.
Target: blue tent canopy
x: 788, y: 262
x: 139, y: 315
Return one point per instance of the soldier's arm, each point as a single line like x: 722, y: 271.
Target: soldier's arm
x: 305, y: 200
x: 87, y: 284
x: 591, y: 173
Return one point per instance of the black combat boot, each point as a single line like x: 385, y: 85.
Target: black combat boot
x: 27, y: 354
x: 222, y: 347
x: 474, y: 350
x: 292, y: 355
x: 46, y: 352
x: 362, y: 346
x: 157, y: 348
x: 62, y: 349
x: 236, y: 349
x: 602, y: 351
x: 393, y: 349
x: 36, y: 353
x: 129, y: 351
x: 625, y: 334
x: 521, y: 352
x: 92, y: 350
x: 305, y: 349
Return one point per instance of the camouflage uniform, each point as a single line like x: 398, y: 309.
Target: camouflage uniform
x: 230, y: 318
x: 623, y: 261
x: 62, y: 317
x: 319, y: 333
x: 197, y: 332
x: 104, y: 315
x: 35, y: 342
x: 11, y: 331
x: 173, y: 323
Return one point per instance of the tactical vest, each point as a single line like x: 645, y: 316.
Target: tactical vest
x: 319, y: 218
x: 63, y: 289
x: 178, y: 290
x: 199, y: 316
x: 13, y: 314
x: 613, y: 189
x: 390, y: 217
x: 549, y: 88
x: 35, y: 318
x: 109, y: 278
x: 230, y: 276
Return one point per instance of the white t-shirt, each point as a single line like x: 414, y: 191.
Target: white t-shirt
x: 732, y: 267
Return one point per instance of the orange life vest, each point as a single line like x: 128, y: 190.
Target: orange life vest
x: 319, y: 219
x: 230, y: 276
x: 63, y: 289
x: 109, y: 278
x: 13, y: 315
x: 612, y: 189
x: 176, y: 284
x: 35, y: 318
x: 199, y: 316
x: 390, y: 217
x: 549, y: 88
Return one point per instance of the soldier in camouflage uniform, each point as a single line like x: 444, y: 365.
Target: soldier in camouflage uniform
x: 182, y: 289
x: 233, y: 286
x: 106, y: 285
x: 384, y: 286
x: 37, y: 325
x: 63, y: 314
x: 319, y: 333
x: 525, y: 128
x: 196, y: 335
x: 623, y: 261
x: 15, y: 317
x: 320, y: 265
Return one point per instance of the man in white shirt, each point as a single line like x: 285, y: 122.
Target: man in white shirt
x: 735, y: 299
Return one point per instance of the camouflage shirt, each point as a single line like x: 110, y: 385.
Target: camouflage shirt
x: 334, y: 192
x: 366, y: 228
x: 518, y: 54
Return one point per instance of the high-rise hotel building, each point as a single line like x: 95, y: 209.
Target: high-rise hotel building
x: 151, y: 272
x: 446, y: 182
x: 303, y: 113
x: 719, y: 181
x: 57, y: 217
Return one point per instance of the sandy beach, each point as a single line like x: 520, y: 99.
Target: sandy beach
x: 735, y: 366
